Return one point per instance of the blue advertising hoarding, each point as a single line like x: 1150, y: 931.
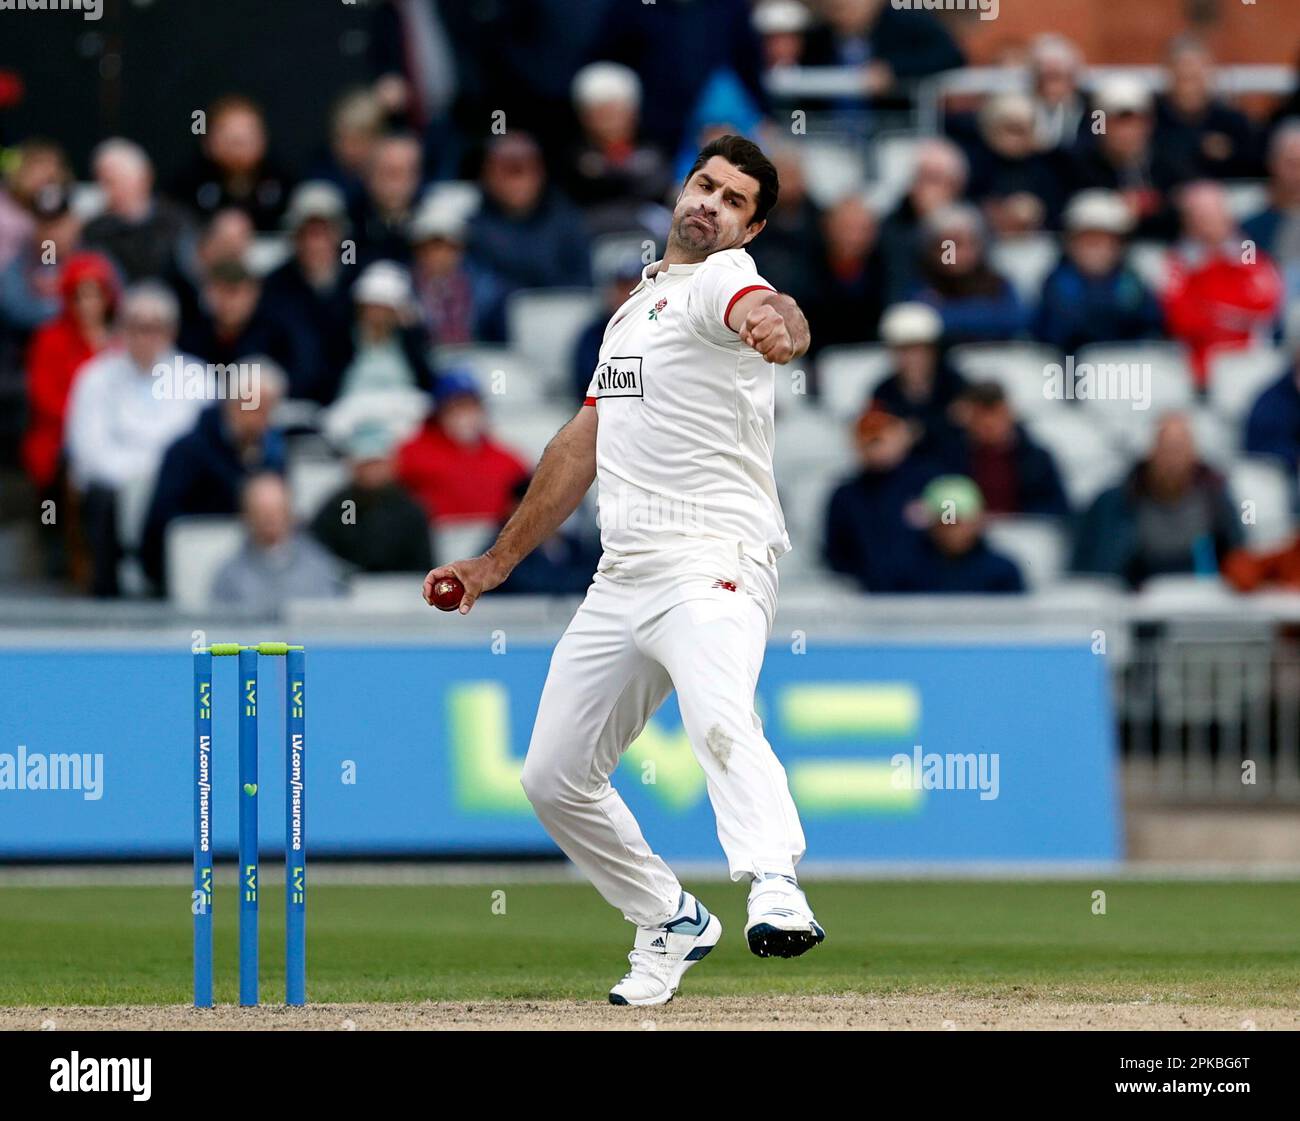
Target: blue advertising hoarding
x: 414, y: 750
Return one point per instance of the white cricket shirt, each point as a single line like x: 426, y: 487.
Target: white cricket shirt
x: 686, y: 433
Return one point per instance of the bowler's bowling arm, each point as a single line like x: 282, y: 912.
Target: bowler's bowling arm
x: 565, y: 473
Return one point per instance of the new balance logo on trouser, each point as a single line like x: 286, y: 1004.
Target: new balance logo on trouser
x: 626, y: 648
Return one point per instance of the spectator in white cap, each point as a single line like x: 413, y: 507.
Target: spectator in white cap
x: 371, y: 522
x: 388, y: 354
x: 452, y: 294
x: 921, y: 387
x: 1119, y: 155
x: 1093, y: 295
x: 976, y: 303
x: 308, y: 294
x: 611, y: 171
x: 1060, y: 111
x: 781, y: 24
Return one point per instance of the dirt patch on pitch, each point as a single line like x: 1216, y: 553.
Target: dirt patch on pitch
x: 803, y: 1013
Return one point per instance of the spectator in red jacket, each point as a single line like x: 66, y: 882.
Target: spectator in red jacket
x: 89, y: 292
x: 1221, y: 293
x: 453, y: 466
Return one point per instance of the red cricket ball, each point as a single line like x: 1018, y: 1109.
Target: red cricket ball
x: 447, y: 593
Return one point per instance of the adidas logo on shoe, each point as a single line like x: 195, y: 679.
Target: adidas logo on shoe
x: 658, y: 943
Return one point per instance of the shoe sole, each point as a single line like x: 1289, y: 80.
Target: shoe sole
x: 768, y: 941
x: 697, y: 953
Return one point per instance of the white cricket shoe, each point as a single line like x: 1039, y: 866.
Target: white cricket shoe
x: 781, y: 924
x: 661, y: 954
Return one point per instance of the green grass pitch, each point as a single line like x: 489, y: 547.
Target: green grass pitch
x: 1181, y: 942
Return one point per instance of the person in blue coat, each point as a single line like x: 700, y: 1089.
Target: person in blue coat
x: 974, y: 301
x: 954, y: 558
x: 1273, y: 425
x: 868, y: 535
x: 1093, y: 295
x: 204, y: 472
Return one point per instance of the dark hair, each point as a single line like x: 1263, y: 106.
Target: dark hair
x: 747, y: 157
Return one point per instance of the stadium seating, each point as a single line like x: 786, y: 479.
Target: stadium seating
x: 529, y: 431
x: 312, y: 481
x: 1025, y: 262
x: 847, y: 375
x: 1039, y: 546
x: 1266, y: 485
x: 1151, y: 378
x: 544, y: 324
x: 1087, y: 460
x: 502, y: 373
x: 196, y: 547
x: 1238, y: 377
x: 1020, y: 368
x: 462, y: 538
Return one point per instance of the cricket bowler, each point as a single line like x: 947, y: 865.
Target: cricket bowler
x: 677, y: 429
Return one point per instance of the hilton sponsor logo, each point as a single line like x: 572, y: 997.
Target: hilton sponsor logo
x: 619, y: 377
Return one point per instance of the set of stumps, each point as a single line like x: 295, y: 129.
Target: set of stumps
x: 295, y: 837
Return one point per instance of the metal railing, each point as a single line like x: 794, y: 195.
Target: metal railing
x: 1203, y: 721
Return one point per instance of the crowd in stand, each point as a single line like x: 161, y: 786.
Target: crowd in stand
x: 384, y: 267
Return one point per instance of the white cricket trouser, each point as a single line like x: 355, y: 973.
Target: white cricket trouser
x: 630, y: 643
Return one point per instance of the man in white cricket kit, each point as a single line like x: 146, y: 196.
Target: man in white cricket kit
x: 677, y: 427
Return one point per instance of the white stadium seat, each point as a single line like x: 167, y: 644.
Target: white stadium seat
x: 389, y: 591
x: 502, y: 373
x: 464, y: 537
x: 1246, y: 198
x: 1150, y: 260
x: 528, y: 432
x: 1151, y: 378
x: 1182, y: 594
x: 268, y: 252
x: 1087, y: 460
x: 1266, y: 485
x: 847, y: 376
x: 312, y: 481
x: 1238, y: 377
x: 1218, y: 441
x: 196, y: 547
x: 1039, y: 546
x: 804, y: 496
x: 831, y: 170
x: 1020, y: 368
x: 1025, y: 262
x: 893, y: 163
x: 543, y: 325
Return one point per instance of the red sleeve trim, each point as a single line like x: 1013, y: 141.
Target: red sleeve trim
x: 589, y: 401
x: 726, y: 315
